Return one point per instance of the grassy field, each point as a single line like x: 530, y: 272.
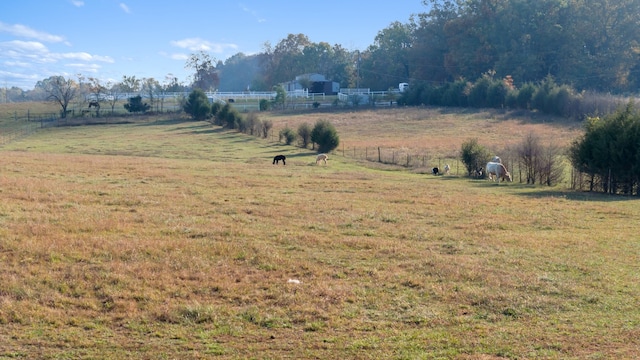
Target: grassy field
x: 176, y: 240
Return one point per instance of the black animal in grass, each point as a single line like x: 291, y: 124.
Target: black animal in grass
x: 277, y: 159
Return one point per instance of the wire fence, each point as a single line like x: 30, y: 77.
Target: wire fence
x: 405, y: 157
x: 19, y: 125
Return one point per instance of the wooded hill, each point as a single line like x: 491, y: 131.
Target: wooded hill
x: 586, y: 44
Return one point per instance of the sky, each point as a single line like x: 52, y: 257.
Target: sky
x: 109, y: 39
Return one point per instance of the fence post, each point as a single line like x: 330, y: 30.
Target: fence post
x: 379, y: 155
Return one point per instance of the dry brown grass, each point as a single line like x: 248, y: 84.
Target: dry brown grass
x: 440, y: 131
x: 177, y: 240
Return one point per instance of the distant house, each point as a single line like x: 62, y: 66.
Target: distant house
x: 315, y: 83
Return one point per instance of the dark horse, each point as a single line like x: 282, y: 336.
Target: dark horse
x: 94, y: 103
x: 278, y: 158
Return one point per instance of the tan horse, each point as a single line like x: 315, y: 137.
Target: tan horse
x: 322, y: 157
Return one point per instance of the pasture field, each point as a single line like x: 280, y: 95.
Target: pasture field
x: 175, y: 239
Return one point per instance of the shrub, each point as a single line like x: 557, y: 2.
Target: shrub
x: 478, y: 92
x: 304, y: 132
x: 288, y: 135
x: 325, y: 135
x: 496, y: 94
x: 525, y: 94
x: 266, y: 127
x: 228, y: 116
x: 197, y: 105
x: 454, y: 94
x: 264, y: 105
x: 474, y: 156
x: 135, y: 104
x: 215, y: 108
x: 253, y: 124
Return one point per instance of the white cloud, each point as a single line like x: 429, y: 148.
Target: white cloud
x: 85, y: 68
x: 178, y: 56
x: 83, y: 56
x: 253, y: 13
x: 125, y: 8
x: 77, y: 3
x: 24, y: 46
x: 197, y: 44
x: 26, y: 32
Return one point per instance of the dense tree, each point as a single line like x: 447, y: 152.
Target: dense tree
x: 589, y: 44
x: 386, y: 63
x: 609, y: 152
x: 238, y: 73
x: 284, y: 61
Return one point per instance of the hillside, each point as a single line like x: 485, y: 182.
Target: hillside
x: 174, y: 239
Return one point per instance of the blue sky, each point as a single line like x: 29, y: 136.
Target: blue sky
x: 108, y: 39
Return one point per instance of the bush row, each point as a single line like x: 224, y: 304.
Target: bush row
x: 488, y: 92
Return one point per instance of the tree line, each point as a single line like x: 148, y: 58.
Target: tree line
x: 585, y: 44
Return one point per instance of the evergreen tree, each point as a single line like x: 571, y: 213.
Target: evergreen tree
x: 198, y: 105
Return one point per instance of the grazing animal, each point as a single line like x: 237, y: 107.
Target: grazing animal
x: 435, y: 171
x: 277, y: 159
x: 497, y: 169
x: 322, y: 157
x: 447, y: 169
x: 94, y: 103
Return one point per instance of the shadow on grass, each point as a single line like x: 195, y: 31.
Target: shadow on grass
x: 160, y: 122
x: 579, y: 195
x: 538, y: 192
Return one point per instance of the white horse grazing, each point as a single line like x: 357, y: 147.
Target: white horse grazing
x: 447, y: 168
x: 322, y: 157
x: 497, y: 169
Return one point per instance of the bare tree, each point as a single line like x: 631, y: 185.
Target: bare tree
x: 540, y: 163
x: 529, y: 153
x: 130, y: 84
x: 61, y: 91
x: 97, y: 94
x: 151, y: 87
x: 206, y: 76
x: 552, y: 168
x: 114, y: 93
